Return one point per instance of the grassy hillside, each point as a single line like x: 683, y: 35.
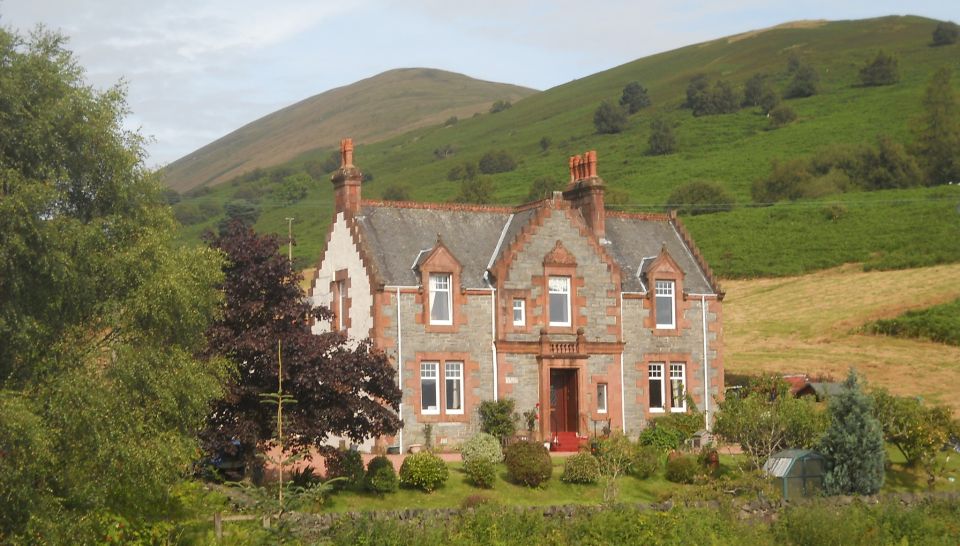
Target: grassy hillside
x: 369, y: 110
x: 732, y: 149
x: 811, y: 324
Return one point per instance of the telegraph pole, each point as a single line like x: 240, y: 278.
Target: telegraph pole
x: 290, y: 239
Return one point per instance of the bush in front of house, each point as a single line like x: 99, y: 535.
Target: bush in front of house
x: 496, y: 418
x: 660, y: 437
x: 482, y: 446
x: 381, y: 477
x: 682, y: 468
x: 646, y: 461
x: 581, y: 468
x: 348, y: 464
x: 528, y: 463
x: 481, y: 472
x: 424, y: 471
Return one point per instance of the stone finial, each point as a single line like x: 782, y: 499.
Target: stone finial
x: 346, y: 152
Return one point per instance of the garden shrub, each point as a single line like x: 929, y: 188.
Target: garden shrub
x: 482, y: 446
x: 423, y: 470
x: 481, y: 471
x: 646, y: 461
x: 581, y: 468
x: 348, y: 464
x: 528, y: 463
x: 496, y: 418
x: 475, y: 500
x: 682, y: 468
x: 381, y: 477
x: 663, y: 438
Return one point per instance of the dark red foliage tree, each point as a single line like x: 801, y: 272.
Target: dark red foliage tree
x: 341, y: 387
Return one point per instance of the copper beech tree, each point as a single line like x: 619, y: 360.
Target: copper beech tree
x: 341, y: 387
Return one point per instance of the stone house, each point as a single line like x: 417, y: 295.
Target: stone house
x: 595, y: 318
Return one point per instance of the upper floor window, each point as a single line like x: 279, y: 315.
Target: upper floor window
x: 429, y: 387
x: 519, y: 312
x: 559, y: 288
x: 440, y: 298
x: 665, y: 304
x: 340, y: 306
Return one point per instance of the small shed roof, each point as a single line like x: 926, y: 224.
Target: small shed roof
x: 779, y: 464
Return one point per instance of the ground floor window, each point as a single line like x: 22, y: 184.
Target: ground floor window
x: 429, y: 388
x: 678, y: 387
x: 655, y: 386
x: 442, y: 387
x: 453, y: 375
x: 601, y: 398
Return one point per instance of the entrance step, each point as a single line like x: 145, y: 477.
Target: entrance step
x: 567, y: 442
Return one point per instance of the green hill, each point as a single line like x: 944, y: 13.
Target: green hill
x: 369, y: 110
x: 731, y: 149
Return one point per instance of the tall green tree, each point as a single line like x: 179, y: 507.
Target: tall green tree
x: 882, y: 70
x: 609, y: 119
x: 662, y: 139
x: 634, y: 97
x: 101, y: 311
x: 937, y: 134
x: 853, y: 442
x: 946, y: 33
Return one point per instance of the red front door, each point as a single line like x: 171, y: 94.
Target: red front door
x: 563, y: 400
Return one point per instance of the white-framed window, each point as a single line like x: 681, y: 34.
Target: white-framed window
x: 453, y: 379
x: 559, y: 288
x: 655, y: 386
x: 441, y: 304
x: 519, y: 312
x: 429, y: 388
x: 665, y: 304
x: 601, y: 398
x: 340, y: 313
x: 678, y: 387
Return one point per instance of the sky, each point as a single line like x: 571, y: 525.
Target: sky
x: 196, y: 70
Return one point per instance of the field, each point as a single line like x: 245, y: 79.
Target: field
x: 810, y: 324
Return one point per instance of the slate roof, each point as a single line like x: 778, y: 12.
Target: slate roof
x: 395, y: 235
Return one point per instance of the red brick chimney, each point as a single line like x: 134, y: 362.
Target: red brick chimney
x: 585, y: 191
x: 346, y: 181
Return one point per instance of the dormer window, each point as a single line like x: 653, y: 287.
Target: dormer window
x: 665, y: 305
x: 559, y: 288
x: 440, y: 299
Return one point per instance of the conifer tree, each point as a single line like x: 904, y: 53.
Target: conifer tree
x: 937, y: 144
x: 853, y: 443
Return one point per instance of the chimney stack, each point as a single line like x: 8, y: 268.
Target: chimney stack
x: 585, y: 191
x: 346, y: 181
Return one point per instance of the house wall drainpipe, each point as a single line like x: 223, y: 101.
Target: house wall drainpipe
x: 623, y: 396
x: 493, y: 340
x: 400, y: 368
x: 706, y: 377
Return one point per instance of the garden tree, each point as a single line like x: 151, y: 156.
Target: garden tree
x: 396, y: 193
x: 882, y: 70
x: 763, y: 425
x: 101, y: 310
x: 853, y: 443
x: 497, y: 161
x: 342, y: 387
x: 609, y: 119
x: 700, y: 197
x: 662, y: 139
x: 937, y: 135
x: 946, y: 33
x: 294, y: 187
x: 918, y: 431
x: 805, y: 82
x: 543, y: 188
x: 634, y: 97
x: 478, y: 189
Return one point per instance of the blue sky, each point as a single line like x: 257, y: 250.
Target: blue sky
x: 197, y: 69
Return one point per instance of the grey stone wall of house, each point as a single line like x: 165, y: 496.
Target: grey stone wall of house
x: 473, y: 338
x: 589, y: 266
x: 641, y: 342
